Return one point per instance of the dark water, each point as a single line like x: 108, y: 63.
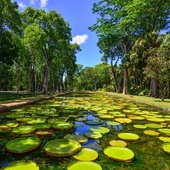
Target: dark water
x: 149, y: 154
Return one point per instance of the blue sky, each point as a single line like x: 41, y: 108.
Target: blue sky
x: 78, y: 13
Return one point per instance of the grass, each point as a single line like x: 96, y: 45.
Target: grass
x: 156, y: 102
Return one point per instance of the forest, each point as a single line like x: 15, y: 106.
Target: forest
x: 133, y: 36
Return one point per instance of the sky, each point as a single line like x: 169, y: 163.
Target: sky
x: 78, y: 13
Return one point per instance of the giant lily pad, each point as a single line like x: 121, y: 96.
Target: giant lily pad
x: 153, y: 125
x: 86, y: 154
x: 78, y: 138
x: 119, y: 143
x: 37, y: 120
x: 128, y: 136
x: 20, y: 165
x: 164, y: 139
x: 85, y: 165
x: 22, y: 145
x: 166, y: 147
x: 123, y: 120
x: 94, y: 122
x: 62, y: 147
x: 164, y: 130
x: 23, y: 129
x: 100, y: 129
x: 151, y: 132
x: 62, y: 125
x: 93, y: 135
x: 43, y: 133
x: 119, y: 153
x: 42, y: 126
x: 112, y: 123
x: 140, y: 126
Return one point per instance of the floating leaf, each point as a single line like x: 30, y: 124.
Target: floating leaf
x: 86, y: 154
x: 119, y: 143
x: 119, y: 153
x: 128, y: 136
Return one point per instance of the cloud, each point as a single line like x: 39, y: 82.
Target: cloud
x: 43, y: 3
x: 32, y: 2
x: 79, y: 39
x: 21, y: 5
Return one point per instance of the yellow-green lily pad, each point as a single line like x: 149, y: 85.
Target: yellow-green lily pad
x: 79, y: 138
x: 119, y: 153
x: 164, y: 139
x: 123, y: 120
x: 93, y: 135
x: 153, y: 125
x: 62, y: 126
x: 119, y: 143
x: 166, y: 147
x: 128, y: 136
x: 62, y: 147
x: 24, y: 129
x: 100, y: 129
x: 85, y: 165
x: 23, y: 145
x: 22, y: 165
x: 151, y: 132
x: 86, y: 154
x: 42, y: 126
x: 140, y: 126
x: 164, y: 130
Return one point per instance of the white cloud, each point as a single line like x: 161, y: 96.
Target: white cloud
x: 21, y: 5
x: 43, y: 3
x: 79, y: 39
x: 32, y: 2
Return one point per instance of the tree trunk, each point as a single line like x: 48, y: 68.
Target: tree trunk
x: 45, y: 80
x: 125, y: 81
x: 153, y: 87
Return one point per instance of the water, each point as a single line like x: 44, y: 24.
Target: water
x: 148, y: 151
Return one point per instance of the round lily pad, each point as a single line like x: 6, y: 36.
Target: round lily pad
x: 119, y: 153
x: 100, y: 129
x: 93, y: 135
x: 12, y: 124
x: 42, y: 126
x: 24, y: 119
x: 86, y: 154
x: 23, y: 145
x: 123, y: 120
x: 94, y: 122
x: 85, y: 165
x: 13, y: 116
x: 112, y: 123
x: 106, y: 117
x: 78, y: 138
x: 62, y: 126
x: 43, y: 133
x: 23, y: 164
x: 24, y: 129
x: 119, y: 143
x: 151, y: 132
x: 153, y: 125
x: 164, y: 130
x: 164, y: 139
x: 62, y: 147
x: 139, y: 126
x: 37, y: 120
x: 136, y: 117
x: 166, y: 147
x: 128, y: 136
x: 156, y: 120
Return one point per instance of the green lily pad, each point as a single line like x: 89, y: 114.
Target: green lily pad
x: 164, y: 130
x: 140, y: 126
x: 166, y: 147
x: 56, y: 120
x: 94, y: 122
x: 128, y: 136
x: 153, y: 125
x: 85, y: 165
x: 23, y: 145
x: 78, y: 138
x: 136, y: 117
x: 62, y: 147
x: 23, y: 129
x: 151, y: 132
x: 119, y: 143
x: 42, y: 126
x: 93, y: 135
x: 62, y: 126
x: 13, y: 116
x: 100, y: 129
x: 112, y: 123
x: 86, y: 154
x: 123, y: 120
x: 23, y: 164
x: 156, y: 120
x: 43, y: 133
x: 37, y: 120
x: 164, y: 139
x: 12, y: 124
x: 106, y: 117
x: 119, y: 153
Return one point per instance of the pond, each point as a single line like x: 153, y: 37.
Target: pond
x: 113, y: 133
